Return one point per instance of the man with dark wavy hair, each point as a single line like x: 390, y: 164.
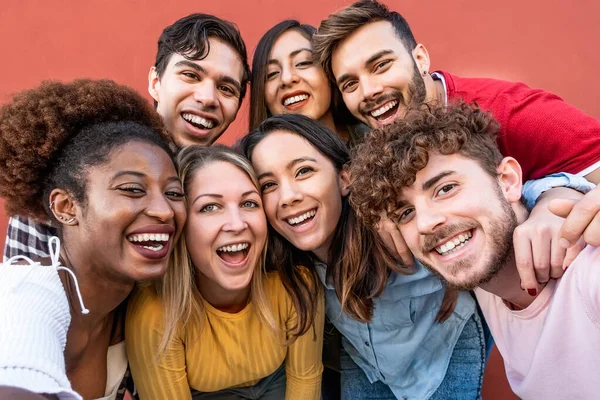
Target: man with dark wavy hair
x: 198, y: 83
x: 457, y: 201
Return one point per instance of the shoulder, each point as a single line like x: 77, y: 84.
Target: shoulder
x: 144, y: 307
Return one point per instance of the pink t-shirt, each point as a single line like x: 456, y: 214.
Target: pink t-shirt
x: 551, y: 349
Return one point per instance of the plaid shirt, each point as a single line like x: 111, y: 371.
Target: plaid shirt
x: 27, y: 237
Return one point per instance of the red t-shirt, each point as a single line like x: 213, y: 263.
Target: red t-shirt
x: 545, y: 134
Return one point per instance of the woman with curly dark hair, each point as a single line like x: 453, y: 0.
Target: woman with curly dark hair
x: 92, y: 159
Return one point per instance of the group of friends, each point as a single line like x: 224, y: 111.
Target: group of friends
x: 377, y: 228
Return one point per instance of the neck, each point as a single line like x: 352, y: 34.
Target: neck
x: 229, y: 301
x: 436, y: 93
x: 507, y: 285
x: 101, y: 293
x: 327, y: 120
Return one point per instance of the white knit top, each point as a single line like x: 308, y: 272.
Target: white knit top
x: 34, y: 321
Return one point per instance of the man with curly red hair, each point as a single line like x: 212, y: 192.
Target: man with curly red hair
x: 198, y: 83
x: 439, y: 175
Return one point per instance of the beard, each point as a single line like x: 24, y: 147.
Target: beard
x: 416, y: 94
x: 500, y: 238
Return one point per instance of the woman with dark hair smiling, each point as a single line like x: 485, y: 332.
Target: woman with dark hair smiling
x: 388, y: 315
x: 286, y: 81
x: 92, y: 159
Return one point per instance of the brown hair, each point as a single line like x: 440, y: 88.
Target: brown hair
x: 337, y: 27
x: 390, y: 157
x: 358, y: 262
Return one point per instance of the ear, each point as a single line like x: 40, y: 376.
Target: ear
x: 63, y: 207
x: 344, y: 182
x: 154, y: 84
x: 509, y: 178
x: 421, y: 57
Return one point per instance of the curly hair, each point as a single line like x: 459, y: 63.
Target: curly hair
x: 51, y: 135
x: 390, y: 157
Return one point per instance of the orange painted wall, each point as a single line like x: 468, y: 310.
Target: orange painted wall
x: 550, y: 44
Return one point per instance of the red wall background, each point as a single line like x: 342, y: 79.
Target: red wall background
x: 550, y: 44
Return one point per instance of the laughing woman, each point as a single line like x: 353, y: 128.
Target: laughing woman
x: 219, y: 326
x: 286, y: 81
x: 92, y: 159
x: 394, y: 346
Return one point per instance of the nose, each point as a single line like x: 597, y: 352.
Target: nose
x: 205, y: 92
x: 236, y: 222
x: 289, y: 194
x: 371, y: 88
x: 160, y: 208
x: 288, y: 77
x: 429, y: 219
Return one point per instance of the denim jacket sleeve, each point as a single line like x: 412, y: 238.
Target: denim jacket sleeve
x: 533, y: 189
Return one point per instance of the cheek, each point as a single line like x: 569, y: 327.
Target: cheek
x: 230, y: 108
x: 271, y: 97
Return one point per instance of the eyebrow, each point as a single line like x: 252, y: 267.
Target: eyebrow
x: 220, y: 196
x: 369, y: 61
x: 289, y: 165
x: 199, y: 68
x: 292, y: 54
x: 429, y: 183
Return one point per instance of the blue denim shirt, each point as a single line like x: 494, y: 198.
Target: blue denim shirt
x: 403, y: 346
x: 533, y: 189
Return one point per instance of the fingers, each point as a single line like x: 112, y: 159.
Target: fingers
x: 444, y: 313
x: 541, y: 244
x: 572, y: 253
x: 581, y: 219
x: 393, y: 240
x: 402, y: 249
x: 524, y: 260
x: 557, y: 258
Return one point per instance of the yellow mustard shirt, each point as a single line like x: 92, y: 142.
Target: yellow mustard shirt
x: 225, y: 351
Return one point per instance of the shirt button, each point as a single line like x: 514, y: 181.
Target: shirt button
x: 405, y: 397
x: 367, y: 344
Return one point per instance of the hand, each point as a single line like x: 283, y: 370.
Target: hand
x: 448, y: 305
x: 393, y: 240
x: 582, y: 218
x: 538, y: 253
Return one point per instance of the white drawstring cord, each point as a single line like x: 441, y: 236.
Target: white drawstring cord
x: 54, y: 244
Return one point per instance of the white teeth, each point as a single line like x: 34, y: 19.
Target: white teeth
x: 301, y: 218
x: 381, y: 110
x: 233, y: 248
x: 158, y: 247
x: 149, y: 237
x: 295, y: 99
x: 454, y: 244
x: 198, y: 120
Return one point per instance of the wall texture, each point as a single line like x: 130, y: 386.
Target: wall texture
x: 549, y: 44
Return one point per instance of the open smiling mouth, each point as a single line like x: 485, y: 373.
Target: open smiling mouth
x: 198, y: 122
x: 454, y: 244
x: 234, y: 254
x: 302, y: 219
x: 386, y: 111
x: 150, y: 241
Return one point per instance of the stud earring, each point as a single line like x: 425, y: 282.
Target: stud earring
x: 424, y: 72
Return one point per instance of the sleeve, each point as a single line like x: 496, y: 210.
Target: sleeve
x: 156, y: 376
x: 34, y: 321
x: 304, y: 365
x: 533, y: 189
x: 545, y: 134
x: 27, y: 237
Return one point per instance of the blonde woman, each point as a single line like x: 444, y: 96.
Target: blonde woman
x: 218, y: 326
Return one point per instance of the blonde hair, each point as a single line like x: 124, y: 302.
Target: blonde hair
x: 181, y: 300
